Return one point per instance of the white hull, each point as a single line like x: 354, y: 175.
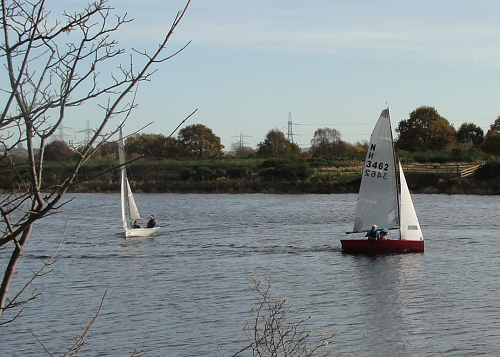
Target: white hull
x: 140, y: 232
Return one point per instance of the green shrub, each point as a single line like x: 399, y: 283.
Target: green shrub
x: 440, y: 157
x: 185, y: 174
x: 285, y: 170
x: 203, y: 173
x: 490, y: 170
x: 237, y: 172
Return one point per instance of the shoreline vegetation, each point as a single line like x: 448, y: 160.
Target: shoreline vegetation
x: 237, y: 176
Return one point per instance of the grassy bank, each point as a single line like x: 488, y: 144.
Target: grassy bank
x: 318, y: 175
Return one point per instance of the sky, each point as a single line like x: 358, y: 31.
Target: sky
x: 252, y: 65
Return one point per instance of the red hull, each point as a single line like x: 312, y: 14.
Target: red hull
x: 385, y: 246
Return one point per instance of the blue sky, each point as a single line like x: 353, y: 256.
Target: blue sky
x: 329, y: 63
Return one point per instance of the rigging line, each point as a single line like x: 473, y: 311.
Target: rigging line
x: 182, y: 122
x: 334, y: 124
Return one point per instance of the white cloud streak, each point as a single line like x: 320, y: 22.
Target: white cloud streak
x: 323, y: 29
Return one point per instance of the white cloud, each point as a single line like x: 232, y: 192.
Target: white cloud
x: 421, y: 28
x: 440, y: 42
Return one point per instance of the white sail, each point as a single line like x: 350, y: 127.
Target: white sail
x: 130, y: 213
x: 378, y: 196
x: 410, y: 228
x: 132, y: 207
x: 384, y: 200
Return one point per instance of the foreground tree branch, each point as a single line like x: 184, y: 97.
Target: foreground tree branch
x: 53, y: 66
x: 80, y: 340
x: 274, y: 333
x: 12, y: 303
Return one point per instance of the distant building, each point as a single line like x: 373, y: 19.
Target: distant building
x: 19, y: 151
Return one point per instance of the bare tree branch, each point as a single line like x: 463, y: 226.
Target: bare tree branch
x: 273, y: 333
x: 52, y: 66
x: 79, y: 342
x: 14, y: 301
x: 181, y: 123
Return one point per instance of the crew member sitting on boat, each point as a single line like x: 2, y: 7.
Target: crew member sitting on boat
x: 383, y: 233
x: 373, y: 234
x: 151, y: 222
x: 136, y: 225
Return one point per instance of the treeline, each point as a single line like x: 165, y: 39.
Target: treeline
x: 426, y: 130
x: 194, y: 161
x: 425, y: 136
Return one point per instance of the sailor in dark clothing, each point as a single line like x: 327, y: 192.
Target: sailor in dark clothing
x: 373, y: 234
x: 151, y: 222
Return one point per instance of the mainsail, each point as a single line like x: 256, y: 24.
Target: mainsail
x: 130, y: 213
x: 378, y: 196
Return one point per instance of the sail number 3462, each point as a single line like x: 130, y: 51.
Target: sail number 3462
x: 376, y: 169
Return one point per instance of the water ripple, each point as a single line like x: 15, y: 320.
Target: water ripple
x: 185, y: 292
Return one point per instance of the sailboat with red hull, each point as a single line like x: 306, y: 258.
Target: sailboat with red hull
x: 384, y: 200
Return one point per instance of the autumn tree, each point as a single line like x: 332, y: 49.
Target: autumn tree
x: 360, y: 146
x: 243, y: 151
x: 109, y: 149
x: 327, y: 141
x: 470, y: 134
x: 276, y: 145
x: 440, y: 135
x: 239, y: 149
x: 491, y: 143
x: 58, y: 150
x: 171, y: 148
x: 425, y: 130
x: 50, y: 67
x: 199, y: 141
x: 152, y: 146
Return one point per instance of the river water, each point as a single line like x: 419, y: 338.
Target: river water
x: 185, y: 292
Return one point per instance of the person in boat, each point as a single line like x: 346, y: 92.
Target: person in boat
x: 373, y: 234
x: 151, y: 222
x: 136, y: 225
x: 383, y: 233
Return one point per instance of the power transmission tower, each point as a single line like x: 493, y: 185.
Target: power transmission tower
x: 88, y: 132
x: 61, y: 135
x: 290, y: 128
x: 240, y: 142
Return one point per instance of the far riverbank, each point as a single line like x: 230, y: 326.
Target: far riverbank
x: 260, y: 176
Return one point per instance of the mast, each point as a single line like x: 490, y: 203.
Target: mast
x: 124, y: 182
x: 398, y: 191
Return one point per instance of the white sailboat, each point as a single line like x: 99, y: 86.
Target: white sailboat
x: 384, y: 201
x: 130, y: 213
